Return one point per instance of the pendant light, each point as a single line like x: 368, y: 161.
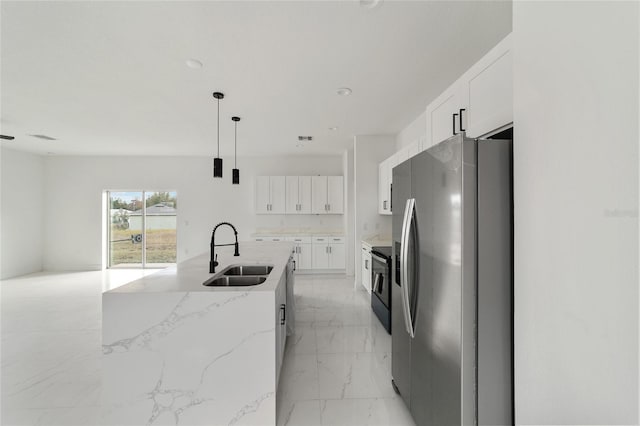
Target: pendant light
x: 236, y: 171
x: 217, y: 162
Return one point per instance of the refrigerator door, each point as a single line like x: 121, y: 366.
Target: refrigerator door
x: 400, y: 340
x: 443, y: 187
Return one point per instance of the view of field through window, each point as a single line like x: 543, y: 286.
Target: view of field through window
x: 142, y: 234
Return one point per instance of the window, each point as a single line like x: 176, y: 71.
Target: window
x: 142, y: 234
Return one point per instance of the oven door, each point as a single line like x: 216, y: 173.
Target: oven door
x: 380, y: 279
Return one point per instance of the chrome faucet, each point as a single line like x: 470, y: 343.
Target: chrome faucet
x: 213, y: 262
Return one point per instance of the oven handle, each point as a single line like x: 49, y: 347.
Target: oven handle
x: 379, y: 258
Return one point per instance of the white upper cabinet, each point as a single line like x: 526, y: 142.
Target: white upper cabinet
x: 304, y: 194
x: 278, y: 194
x: 263, y: 194
x: 270, y: 194
x: 319, y: 194
x: 327, y: 194
x: 335, y: 195
x: 491, y: 91
x: 383, y: 184
x: 479, y: 102
x: 298, y: 194
x: 447, y: 115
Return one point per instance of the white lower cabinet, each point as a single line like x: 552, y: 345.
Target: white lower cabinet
x: 302, y: 252
x: 281, y: 323
x: 329, y: 253
x: 309, y: 253
x: 320, y: 250
x: 366, y: 267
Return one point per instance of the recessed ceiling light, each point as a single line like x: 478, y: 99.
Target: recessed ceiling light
x: 370, y: 4
x: 343, y: 91
x: 333, y: 128
x: 194, y: 63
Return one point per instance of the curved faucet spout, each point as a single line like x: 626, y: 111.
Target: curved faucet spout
x: 213, y: 262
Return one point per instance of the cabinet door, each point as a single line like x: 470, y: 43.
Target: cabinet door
x: 366, y: 270
x: 413, y: 149
x: 304, y: 194
x: 291, y: 195
x: 304, y: 256
x: 278, y: 194
x: 319, y: 194
x: 491, y: 96
x: 335, y: 194
x: 441, y: 112
x: 337, y: 256
x: 281, y: 331
x: 320, y: 255
x: 382, y: 187
x: 263, y: 190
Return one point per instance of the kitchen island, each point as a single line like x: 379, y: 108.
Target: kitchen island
x: 178, y: 352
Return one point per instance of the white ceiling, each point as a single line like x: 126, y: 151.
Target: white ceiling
x: 109, y: 78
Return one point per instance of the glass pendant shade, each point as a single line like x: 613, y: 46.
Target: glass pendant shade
x: 236, y: 176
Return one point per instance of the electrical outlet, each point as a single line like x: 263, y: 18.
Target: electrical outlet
x: 377, y: 226
x: 365, y: 226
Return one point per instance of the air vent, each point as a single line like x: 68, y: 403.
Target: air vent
x: 305, y: 138
x: 45, y: 137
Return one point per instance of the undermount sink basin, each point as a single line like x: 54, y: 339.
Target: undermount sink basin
x: 225, y: 281
x: 248, y: 270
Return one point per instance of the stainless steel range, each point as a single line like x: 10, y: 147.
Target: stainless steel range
x: 381, y: 284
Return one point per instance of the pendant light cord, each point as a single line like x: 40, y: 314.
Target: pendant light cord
x: 218, y: 128
x: 235, y: 144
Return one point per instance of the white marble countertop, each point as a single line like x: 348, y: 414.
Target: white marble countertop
x: 377, y: 240
x: 298, y: 232
x: 190, y: 274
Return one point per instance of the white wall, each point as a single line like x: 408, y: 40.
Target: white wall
x: 22, y: 213
x: 74, y: 187
x: 414, y: 131
x: 369, y: 151
x: 576, y: 217
x: 349, y: 216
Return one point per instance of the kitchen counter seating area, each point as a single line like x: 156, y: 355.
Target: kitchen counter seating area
x: 177, y: 351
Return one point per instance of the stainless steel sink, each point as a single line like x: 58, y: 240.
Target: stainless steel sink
x: 225, y: 281
x: 248, y: 270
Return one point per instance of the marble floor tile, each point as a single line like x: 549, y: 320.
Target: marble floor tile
x: 370, y: 411
x: 358, y: 375
x: 299, y: 413
x: 299, y: 377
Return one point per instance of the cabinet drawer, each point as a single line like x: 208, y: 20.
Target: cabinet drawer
x: 300, y: 240
x: 336, y: 240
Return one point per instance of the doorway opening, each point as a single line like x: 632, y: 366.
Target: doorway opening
x: 141, y: 229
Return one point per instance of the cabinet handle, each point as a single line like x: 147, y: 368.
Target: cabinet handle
x: 294, y: 266
x: 283, y: 312
x: 454, y: 123
x: 328, y: 207
x: 384, y: 205
x: 366, y: 264
x: 329, y: 249
x: 461, y: 129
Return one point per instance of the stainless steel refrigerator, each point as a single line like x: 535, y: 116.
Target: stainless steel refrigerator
x: 452, y: 303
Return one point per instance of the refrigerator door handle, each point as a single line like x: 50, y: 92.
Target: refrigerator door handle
x: 404, y: 265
